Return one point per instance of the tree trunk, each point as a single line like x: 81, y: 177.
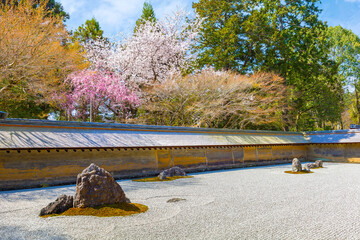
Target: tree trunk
x: 357, y: 105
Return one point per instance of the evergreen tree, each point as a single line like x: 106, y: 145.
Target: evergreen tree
x: 89, y: 30
x: 148, y: 14
x: 57, y: 9
x: 345, y: 51
x: 285, y: 37
x: 293, y: 44
x: 223, y: 42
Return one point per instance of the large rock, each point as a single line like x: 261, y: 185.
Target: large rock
x: 319, y: 163
x: 296, y: 165
x: 61, y: 204
x: 171, y: 172
x: 96, y: 187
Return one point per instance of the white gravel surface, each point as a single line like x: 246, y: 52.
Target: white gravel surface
x: 249, y: 203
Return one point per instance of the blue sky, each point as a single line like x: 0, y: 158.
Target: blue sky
x: 119, y: 16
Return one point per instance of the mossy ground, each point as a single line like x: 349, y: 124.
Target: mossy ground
x: 301, y: 172
x: 109, y: 210
x: 157, y: 179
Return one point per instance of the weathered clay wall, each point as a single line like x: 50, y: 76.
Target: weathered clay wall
x: 31, y: 168
x: 342, y: 152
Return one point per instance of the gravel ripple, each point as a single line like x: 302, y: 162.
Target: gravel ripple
x: 249, y: 203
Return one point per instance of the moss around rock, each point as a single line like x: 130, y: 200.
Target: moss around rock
x: 301, y: 172
x: 317, y: 167
x: 157, y: 179
x: 108, y: 210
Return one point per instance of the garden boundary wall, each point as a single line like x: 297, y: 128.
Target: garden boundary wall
x: 37, y: 153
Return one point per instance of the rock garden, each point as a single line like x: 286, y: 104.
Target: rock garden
x: 97, y: 194
x: 297, y: 168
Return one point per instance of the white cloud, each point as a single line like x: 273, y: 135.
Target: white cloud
x: 71, y: 6
x: 117, y: 16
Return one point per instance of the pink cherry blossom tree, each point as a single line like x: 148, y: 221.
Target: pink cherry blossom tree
x: 121, y: 72
x: 98, y: 92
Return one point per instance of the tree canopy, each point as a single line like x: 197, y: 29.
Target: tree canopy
x: 148, y: 15
x: 89, y: 31
x: 260, y: 64
x: 345, y: 51
x: 33, y: 59
x: 285, y: 37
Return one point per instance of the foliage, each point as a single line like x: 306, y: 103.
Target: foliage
x: 90, y: 31
x: 148, y: 15
x: 54, y: 8
x: 296, y: 47
x: 222, y: 42
x: 285, y: 37
x: 345, y: 51
x: 218, y: 100
x: 57, y: 9
x: 33, y: 58
x: 301, y: 66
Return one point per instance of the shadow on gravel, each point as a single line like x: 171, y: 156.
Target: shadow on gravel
x: 37, y: 193
x: 16, y: 232
x: 239, y: 169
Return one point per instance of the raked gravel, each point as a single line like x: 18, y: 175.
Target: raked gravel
x: 248, y: 203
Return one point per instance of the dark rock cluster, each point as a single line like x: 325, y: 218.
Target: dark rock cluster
x: 60, y: 205
x: 94, y: 187
x: 171, y: 172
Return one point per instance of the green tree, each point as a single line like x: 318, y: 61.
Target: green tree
x: 223, y: 43
x: 295, y: 46
x: 285, y: 37
x: 345, y: 51
x: 57, y: 10
x: 54, y: 8
x: 148, y: 14
x: 89, y: 30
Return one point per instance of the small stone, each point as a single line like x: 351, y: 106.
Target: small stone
x: 162, y: 176
x: 175, y: 200
x: 319, y: 163
x: 308, y: 166
x: 96, y: 187
x: 296, y: 165
x: 61, y: 204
